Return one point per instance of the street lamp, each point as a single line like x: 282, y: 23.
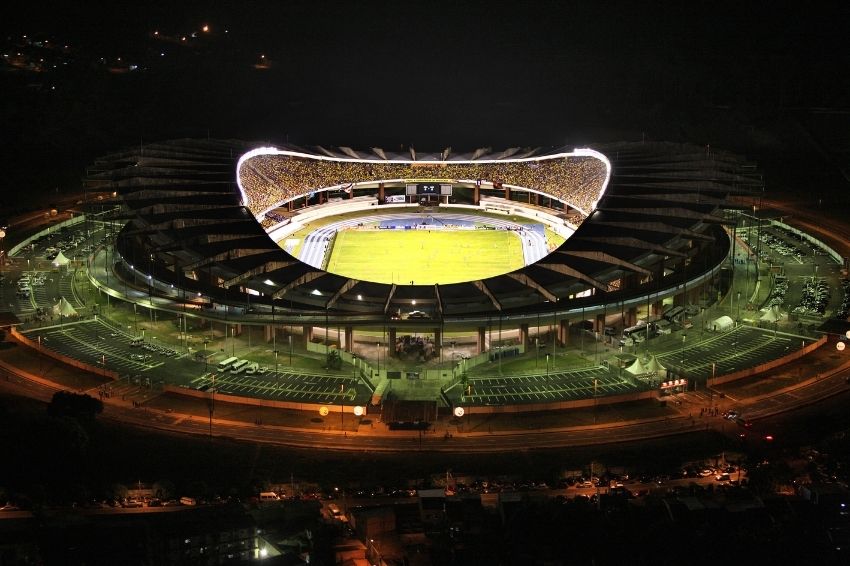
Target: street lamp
x: 342, y: 406
x: 684, y: 336
x: 375, y: 551
x: 212, y: 403
x: 233, y: 340
x: 2, y: 256
x: 547, y: 365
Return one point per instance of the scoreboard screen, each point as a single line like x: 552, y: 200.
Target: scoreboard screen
x: 430, y: 189
x: 427, y: 188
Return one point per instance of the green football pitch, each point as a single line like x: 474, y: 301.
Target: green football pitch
x: 424, y: 257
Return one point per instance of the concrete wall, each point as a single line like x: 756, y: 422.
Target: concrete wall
x: 63, y: 358
x: 561, y: 405
x: 773, y: 364
x: 236, y: 399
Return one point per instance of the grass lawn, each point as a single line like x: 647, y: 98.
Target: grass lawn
x: 425, y: 257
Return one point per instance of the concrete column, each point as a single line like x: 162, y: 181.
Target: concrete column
x: 599, y: 323
x: 268, y: 332
x: 481, y: 343
x: 391, y: 342
x: 523, y: 335
x: 507, y: 193
x: 438, y: 341
x: 348, y: 336
x: 657, y: 308
x: 380, y: 192
x: 476, y: 195
x: 631, y: 317
x: 308, y: 335
x: 564, y: 332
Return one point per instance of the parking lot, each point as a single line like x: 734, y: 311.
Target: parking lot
x: 561, y: 386
x: 93, y: 341
x: 731, y: 351
x: 804, y: 284
x: 282, y: 385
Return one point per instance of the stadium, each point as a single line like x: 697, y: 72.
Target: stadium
x: 424, y: 276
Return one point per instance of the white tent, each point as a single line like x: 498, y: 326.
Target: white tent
x: 637, y: 368
x: 772, y: 315
x: 723, y: 323
x: 654, y: 366
x: 64, y: 308
x: 60, y: 260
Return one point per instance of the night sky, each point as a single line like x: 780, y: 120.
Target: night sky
x: 431, y: 75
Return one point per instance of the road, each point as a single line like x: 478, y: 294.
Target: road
x: 500, y: 441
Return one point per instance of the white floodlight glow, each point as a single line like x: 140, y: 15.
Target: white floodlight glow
x: 459, y: 412
x: 316, y: 292
x: 268, y: 282
x: 584, y: 209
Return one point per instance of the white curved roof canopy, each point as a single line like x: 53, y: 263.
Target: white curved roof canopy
x: 268, y: 176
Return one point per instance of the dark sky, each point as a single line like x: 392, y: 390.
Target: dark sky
x: 436, y: 74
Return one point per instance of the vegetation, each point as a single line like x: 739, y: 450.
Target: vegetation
x: 74, y: 405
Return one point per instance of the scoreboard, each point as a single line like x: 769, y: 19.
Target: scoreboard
x: 429, y: 189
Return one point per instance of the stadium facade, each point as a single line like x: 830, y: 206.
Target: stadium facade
x: 648, y: 229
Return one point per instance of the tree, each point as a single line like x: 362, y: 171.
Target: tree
x: 333, y: 360
x: 77, y: 405
x: 164, y: 489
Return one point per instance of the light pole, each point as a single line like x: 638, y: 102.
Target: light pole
x: 342, y: 406
x: 2, y: 256
x: 290, y: 350
x: 233, y: 340
x: 212, y: 403
x: 375, y: 551
x: 684, y: 336
x: 547, y: 365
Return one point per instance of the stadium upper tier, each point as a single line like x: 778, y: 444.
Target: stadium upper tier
x: 268, y: 177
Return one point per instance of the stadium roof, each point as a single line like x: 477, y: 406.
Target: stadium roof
x: 183, y: 207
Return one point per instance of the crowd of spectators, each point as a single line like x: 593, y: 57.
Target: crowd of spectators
x: 272, y: 218
x: 271, y: 179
